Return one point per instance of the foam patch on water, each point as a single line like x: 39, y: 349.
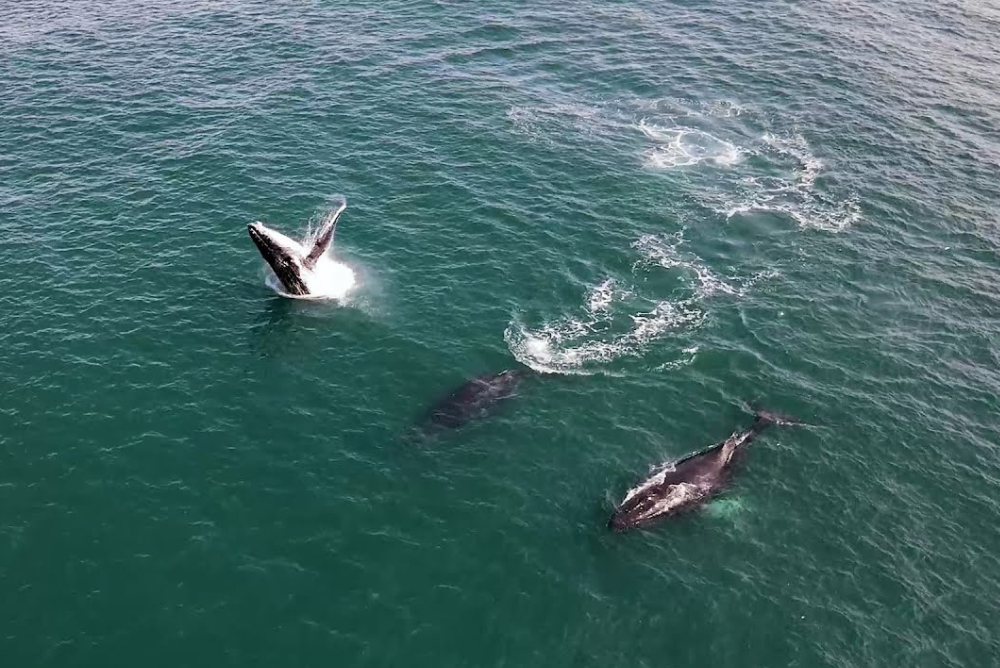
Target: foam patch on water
x: 577, y: 345
x: 617, y: 321
x: 667, y: 252
x: 601, y: 297
x: 686, y: 146
x: 794, y: 193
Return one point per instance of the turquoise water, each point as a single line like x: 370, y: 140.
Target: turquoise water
x: 671, y: 209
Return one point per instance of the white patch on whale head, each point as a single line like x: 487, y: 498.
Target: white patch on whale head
x: 678, y: 496
x: 654, y: 480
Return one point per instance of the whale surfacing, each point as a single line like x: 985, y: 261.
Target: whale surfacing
x: 683, y: 485
x: 474, y: 399
x: 294, y: 264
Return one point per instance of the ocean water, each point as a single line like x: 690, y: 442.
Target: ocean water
x: 669, y: 209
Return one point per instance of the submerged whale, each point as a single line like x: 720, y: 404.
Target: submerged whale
x: 689, y: 482
x: 475, y: 398
x: 293, y: 263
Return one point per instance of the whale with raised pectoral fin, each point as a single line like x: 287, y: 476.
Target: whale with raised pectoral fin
x: 294, y: 264
x: 683, y: 485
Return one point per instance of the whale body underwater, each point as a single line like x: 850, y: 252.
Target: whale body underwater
x: 474, y: 399
x: 294, y: 263
x: 687, y: 483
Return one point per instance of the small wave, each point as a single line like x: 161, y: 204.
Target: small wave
x: 793, y: 195
x: 529, y: 120
x: 687, y: 357
x: 686, y: 106
x: 685, y: 146
x: 723, y: 108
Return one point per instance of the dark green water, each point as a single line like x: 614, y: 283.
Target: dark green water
x: 672, y: 208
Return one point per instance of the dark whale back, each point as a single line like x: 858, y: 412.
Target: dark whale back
x: 688, y: 482
x: 475, y: 398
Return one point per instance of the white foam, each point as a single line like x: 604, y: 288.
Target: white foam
x: 687, y: 357
x: 330, y: 280
x: 794, y: 194
x: 577, y: 346
x: 666, y: 252
x: 601, y: 297
x: 685, y: 146
x: 617, y: 321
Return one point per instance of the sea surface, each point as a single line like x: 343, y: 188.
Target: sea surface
x: 669, y: 210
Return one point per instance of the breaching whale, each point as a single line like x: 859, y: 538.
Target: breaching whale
x: 294, y: 263
x: 687, y: 483
x: 475, y: 398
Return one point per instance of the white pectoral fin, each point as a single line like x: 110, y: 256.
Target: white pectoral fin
x: 324, y: 237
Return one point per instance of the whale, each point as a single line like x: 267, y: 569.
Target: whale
x: 685, y: 484
x: 294, y: 263
x: 474, y: 399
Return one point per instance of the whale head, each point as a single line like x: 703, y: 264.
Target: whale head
x: 292, y: 262
x: 645, y: 505
x: 283, y: 255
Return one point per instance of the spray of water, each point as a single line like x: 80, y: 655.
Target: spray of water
x: 329, y: 279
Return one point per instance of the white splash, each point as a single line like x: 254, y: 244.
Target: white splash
x: 685, y: 146
x: 602, y: 296
x: 328, y: 279
x: 657, y: 475
x: 723, y: 108
x: 687, y: 357
x: 574, y: 345
x: 618, y: 321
